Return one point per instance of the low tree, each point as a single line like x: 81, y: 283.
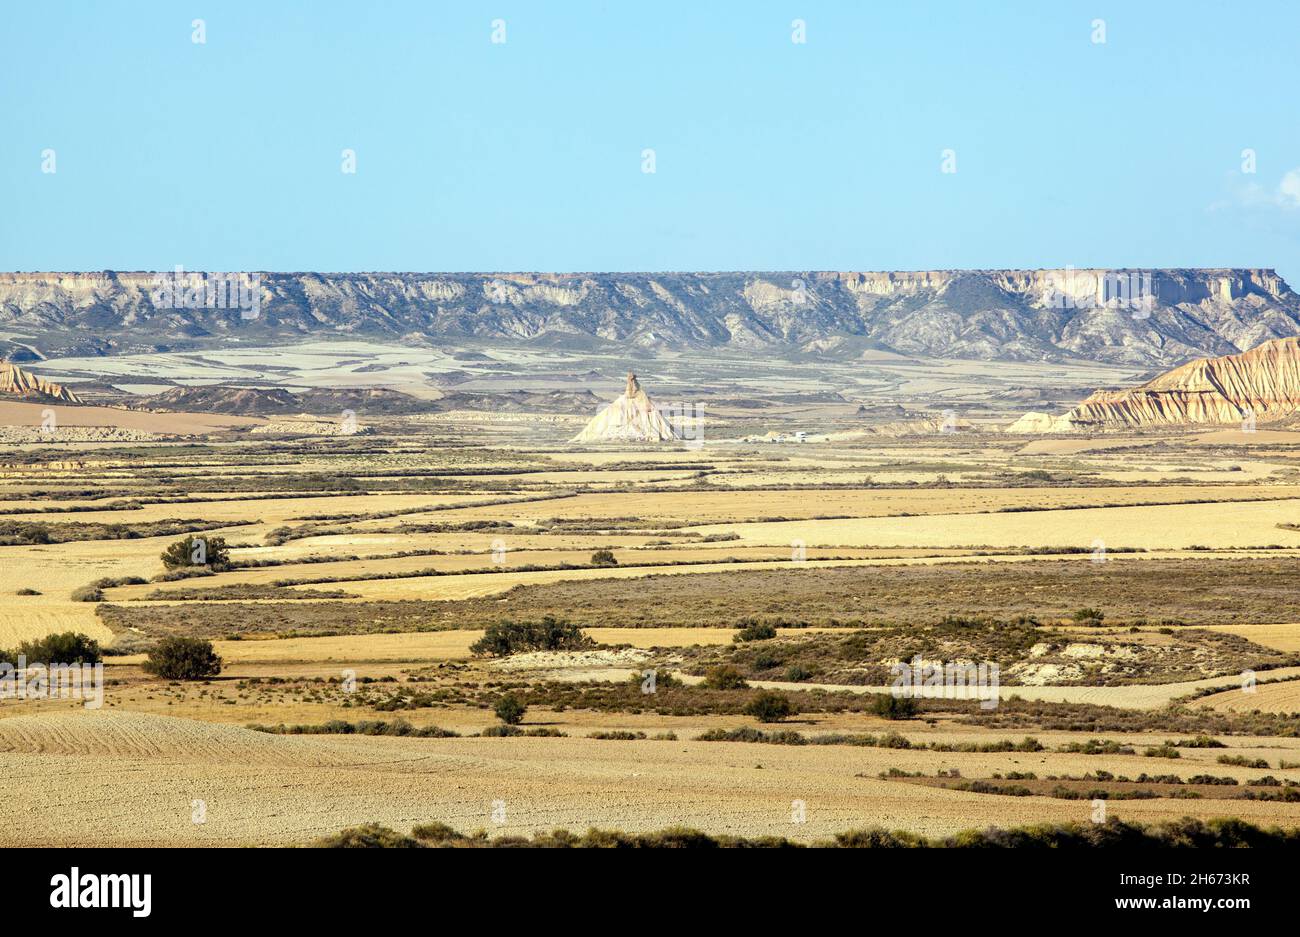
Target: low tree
x: 179, y: 658
x: 504, y: 638
x: 725, y: 677
x: 70, y: 647
x: 769, y: 707
x: 510, y: 710
x: 889, y: 706
x: 211, y: 552
x: 754, y: 631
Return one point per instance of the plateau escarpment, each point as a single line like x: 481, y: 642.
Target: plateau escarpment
x: 1155, y: 317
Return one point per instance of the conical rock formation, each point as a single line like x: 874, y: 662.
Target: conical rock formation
x: 15, y: 382
x: 1263, y: 384
x: 633, y: 417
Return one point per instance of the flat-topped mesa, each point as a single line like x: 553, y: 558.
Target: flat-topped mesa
x: 1136, y: 317
x: 1262, y: 385
x: 15, y: 382
x: 1168, y: 286
x: 633, y: 417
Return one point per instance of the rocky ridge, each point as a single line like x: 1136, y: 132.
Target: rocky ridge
x: 1258, y: 386
x: 15, y: 382
x: 1025, y: 315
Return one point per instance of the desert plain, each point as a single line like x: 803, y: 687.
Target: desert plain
x: 1134, y: 590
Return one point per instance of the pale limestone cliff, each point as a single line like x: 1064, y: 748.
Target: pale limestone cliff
x: 1022, y: 315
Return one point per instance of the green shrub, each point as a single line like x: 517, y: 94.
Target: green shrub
x: 88, y: 594
x: 1240, y: 761
x: 754, y: 631
x: 1184, y: 833
x: 211, y: 552
x: 1201, y: 741
x: 180, y: 658
x: 603, y: 558
x: 797, y: 674
x: 70, y: 647
x: 369, y: 836
x: 663, y: 678
x: 1166, y: 750
x: 510, y: 710
x: 769, y: 707
x: 725, y: 677
x: 437, y: 833
x: 550, y: 634
x: 399, y: 727
x: 1088, y: 615
x: 889, y: 706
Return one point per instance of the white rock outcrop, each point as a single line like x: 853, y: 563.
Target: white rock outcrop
x: 633, y: 417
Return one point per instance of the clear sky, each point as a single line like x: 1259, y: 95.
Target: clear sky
x: 768, y: 154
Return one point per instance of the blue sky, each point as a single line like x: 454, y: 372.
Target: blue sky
x: 769, y: 154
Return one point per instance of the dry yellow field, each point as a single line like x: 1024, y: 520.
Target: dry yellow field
x: 154, y: 768
x: 17, y: 413
x: 158, y: 745
x: 269, y: 511
x: 1280, y: 697
x: 1284, y: 637
x: 1163, y: 527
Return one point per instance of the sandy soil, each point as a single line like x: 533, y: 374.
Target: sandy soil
x: 1284, y: 637
x: 260, y: 789
x: 1176, y: 526
x: 1270, y: 698
x: 15, y: 413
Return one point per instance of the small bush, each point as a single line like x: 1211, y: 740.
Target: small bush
x: 662, y: 679
x: 27, y: 592
x: 1088, y: 615
x: 437, y: 833
x: 1166, y: 750
x: 549, y: 634
x: 603, y: 558
x: 211, y: 552
x: 70, y: 647
x: 725, y: 677
x: 1201, y: 741
x: 888, y: 706
x: 769, y: 707
x: 510, y: 710
x: 180, y: 658
x: 755, y: 632
x: 88, y: 594
x: 1240, y: 761
x: 797, y: 674
x: 369, y: 836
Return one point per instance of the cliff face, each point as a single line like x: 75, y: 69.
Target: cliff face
x: 1026, y: 315
x: 15, y: 382
x: 1263, y: 382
